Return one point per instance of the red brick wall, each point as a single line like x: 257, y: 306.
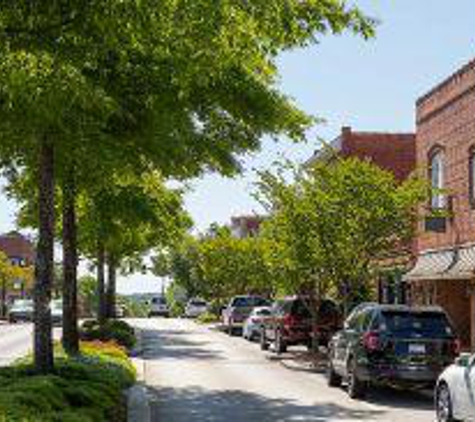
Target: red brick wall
x: 395, y: 152
x: 446, y: 118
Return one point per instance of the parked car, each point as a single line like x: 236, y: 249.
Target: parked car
x: 455, y: 391
x: 238, y: 309
x: 21, y: 310
x: 253, y: 324
x: 159, y: 307
x: 195, y: 307
x: 291, y: 324
x: 57, y: 312
x: 396, y: 345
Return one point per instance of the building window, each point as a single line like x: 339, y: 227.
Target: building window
x: 436, y: 171
x: 471, y: 177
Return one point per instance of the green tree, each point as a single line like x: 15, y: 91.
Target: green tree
x: 333, y: 223
x: 183, y: 85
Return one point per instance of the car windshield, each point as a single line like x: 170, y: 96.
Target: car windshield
x: 198, y: 303
x: 262, y: 312
x: 248, y: 301
x: 416, y: 324
x: 23, y: 303
x: 56, y: 304
x: 159, y: 301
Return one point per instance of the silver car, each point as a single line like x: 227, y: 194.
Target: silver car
x: 253, y: 324
x: 455, y: 391
x: 21, y: 310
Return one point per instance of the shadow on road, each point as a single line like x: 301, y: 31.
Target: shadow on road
x: 197, y: 404
x: 168, y: 344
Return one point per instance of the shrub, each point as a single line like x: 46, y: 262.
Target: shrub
x: 112, y: 330
x: 208, y: 318
x: 87, y: 388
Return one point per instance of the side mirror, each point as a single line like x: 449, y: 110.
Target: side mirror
x: 465, y: 360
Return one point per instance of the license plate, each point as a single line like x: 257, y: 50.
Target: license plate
x: 417, y: 348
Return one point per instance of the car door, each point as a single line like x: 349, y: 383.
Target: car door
x: 342, y: 341
x: 467, y: 402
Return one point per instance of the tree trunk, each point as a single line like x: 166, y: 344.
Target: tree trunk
x: 3, y: 298
x: 44, y: 267
x: 111, y: 287
x: 70, y: 338
x: 101, y: 293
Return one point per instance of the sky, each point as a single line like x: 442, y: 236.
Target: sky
x: 368, y: 85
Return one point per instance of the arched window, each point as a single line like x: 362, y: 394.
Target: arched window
x: 471, y: 176
x: 436, y: 171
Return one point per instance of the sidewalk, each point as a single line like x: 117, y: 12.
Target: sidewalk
x: 138, y: 406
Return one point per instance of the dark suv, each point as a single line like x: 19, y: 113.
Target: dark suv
x: 394, y: 345
x: 290, y: 323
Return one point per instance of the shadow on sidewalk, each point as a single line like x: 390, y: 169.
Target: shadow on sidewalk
x: 170, y: 344
x: 201, y: 405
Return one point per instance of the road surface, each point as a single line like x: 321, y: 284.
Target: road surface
x: 198, y: 374
x: 15, y: 341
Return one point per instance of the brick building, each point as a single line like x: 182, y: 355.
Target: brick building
x: 245, y: 225
x: 396, y: 153
x: 20, y: 251
x: 444, y: 272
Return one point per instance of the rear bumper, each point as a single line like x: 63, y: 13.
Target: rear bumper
x: 399, y: 374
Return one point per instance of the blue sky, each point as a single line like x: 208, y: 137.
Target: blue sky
x: 349, y: 82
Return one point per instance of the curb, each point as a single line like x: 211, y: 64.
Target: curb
x: 138, y: 406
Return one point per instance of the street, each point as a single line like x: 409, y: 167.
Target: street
x: 195, y: 373
x: 16, y: 340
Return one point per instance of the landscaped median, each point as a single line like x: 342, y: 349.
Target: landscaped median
x: 86, y: 388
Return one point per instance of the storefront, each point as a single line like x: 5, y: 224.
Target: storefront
x: 447, y: 278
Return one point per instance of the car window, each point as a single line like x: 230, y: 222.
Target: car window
x: 299, y: 309
x: 416, y: 324
x: 198, y: 303
x: 263, y: 312
x: 249, y: 301
x: 159, y: 301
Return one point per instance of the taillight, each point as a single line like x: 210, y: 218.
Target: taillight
x: 455, y: 346
x: 371, y: 341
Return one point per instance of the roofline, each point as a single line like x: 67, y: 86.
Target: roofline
x: 460, y: 72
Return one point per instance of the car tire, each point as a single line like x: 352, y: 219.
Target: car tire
x: 263, y: 341
x: 443, y: 404
x: 356, y: 387
x: 333, y: 379
x: 279, y: 343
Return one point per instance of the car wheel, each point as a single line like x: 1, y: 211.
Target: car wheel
x: 263, y: 342
x: 443, y: 404
x: 333, y: 379
x: 280, y: 346
x: 356, y: 387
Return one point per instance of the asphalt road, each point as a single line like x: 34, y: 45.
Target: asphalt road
x: 16, y: 340
x: 198, y: 374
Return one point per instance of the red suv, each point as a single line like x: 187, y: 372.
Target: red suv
x: 290, y: 323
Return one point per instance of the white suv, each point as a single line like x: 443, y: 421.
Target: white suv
x: 195, y: 308
x: 159, y: 307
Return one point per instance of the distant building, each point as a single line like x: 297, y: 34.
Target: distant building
x: 395, y: 153
x: 245, y: 226
x: 21, y: 252
x: 19, y: 249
